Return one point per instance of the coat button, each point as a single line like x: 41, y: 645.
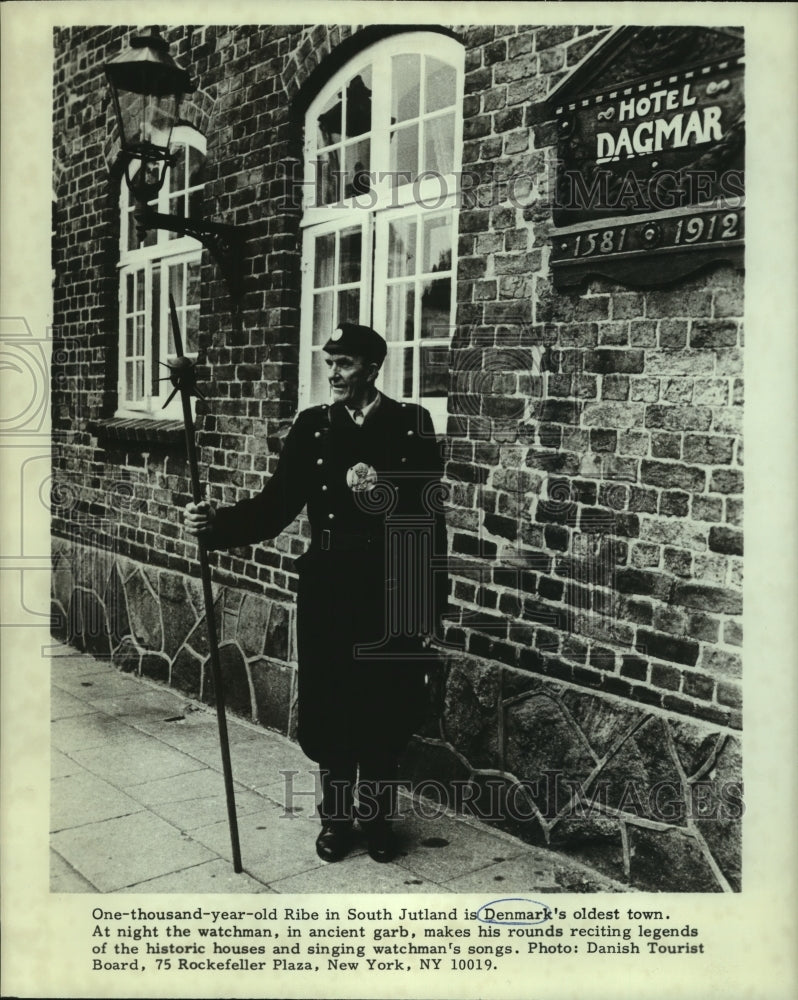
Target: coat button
x: 409, y: 434
x: 404, y: 405
x: 331, y: 517
x: 403, y: 458
x: 324, y: 488
x: 317, y: 434
x: 319, y: 461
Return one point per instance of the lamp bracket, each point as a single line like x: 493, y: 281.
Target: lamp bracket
x: 224, y: 242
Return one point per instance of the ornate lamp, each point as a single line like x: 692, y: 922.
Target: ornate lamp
x: 147, y: 86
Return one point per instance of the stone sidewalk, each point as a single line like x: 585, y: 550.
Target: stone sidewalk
x: 137, y: 805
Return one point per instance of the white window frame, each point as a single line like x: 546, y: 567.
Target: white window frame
x: 383, y: 203
x: 167, y: 249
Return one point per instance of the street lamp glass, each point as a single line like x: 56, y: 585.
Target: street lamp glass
x: 147, y: 86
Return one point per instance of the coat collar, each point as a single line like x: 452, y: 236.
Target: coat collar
x: 385, y: 411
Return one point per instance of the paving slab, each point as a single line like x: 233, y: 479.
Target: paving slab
x: 191, y: 814
x: 256, y: 758
x: 200, y: 742
x: 82, y: 798
x: 445, y: 848
x: 271, y: 848
x: 264, y: 763
x: 204, y: 782
x: 64, y: 878
x: 61, y: 765
x: 212, y: 876
x: 535, y: 870
x: 72, y: 661
x: 64, y: 705
x: 134, y: 760
x: 116, y: 853
x: 356, y: 873
x: 298, y: 790
x: 96, y: 683
x: 140, y: 706
x: 82, y: 732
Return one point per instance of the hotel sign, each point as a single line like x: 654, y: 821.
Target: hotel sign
x: 650, y: 177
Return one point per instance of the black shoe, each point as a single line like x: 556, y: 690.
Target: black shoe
x: 334, y: 840
x: 381, y: 842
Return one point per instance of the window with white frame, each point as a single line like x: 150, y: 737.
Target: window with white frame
x: 162, y: 262
x: 382, y: 165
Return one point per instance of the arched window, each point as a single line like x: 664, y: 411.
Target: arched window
x: 162, y: 262
x: 382, y: 166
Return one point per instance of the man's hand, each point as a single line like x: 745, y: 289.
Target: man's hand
x: 198, y: 518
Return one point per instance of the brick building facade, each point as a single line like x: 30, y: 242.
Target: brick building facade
x: 592, y: 440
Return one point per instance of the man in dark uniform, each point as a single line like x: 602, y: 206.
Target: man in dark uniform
x: 368, y: 468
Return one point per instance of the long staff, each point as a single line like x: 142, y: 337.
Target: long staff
x: 183, y: 378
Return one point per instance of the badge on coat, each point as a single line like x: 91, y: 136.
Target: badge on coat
x: 361, y: 478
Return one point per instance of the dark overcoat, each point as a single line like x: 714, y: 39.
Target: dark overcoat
x: 372, y: 583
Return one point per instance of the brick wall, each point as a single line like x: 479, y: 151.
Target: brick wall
x: 596, y: 447
x: 594, y: 451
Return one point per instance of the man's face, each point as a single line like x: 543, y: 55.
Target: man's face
x: 351, y: 378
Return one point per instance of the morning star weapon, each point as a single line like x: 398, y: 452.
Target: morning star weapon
x: 183, y: 377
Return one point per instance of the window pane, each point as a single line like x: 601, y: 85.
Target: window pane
x: 177, y: 174
x: 132, y: 235
x: 438, y: 244
x: 400, y: 320
x: 193, y: 286
x: 177, y: 189
x: 434, y: 371
x: 319, y: 386
x: 191, y: 332
x: 177, y: 206
x: 329, y: 122
x: 358, y: 158
x: 130, y: 327
x: 404, y: 155
x: 406, y: 85
x: 439, y: 144
x: 358, y: 104
x: 129, y: 381
x: 349, y: 306
x: 436, y: 301
x: 138, y: 388
x: 322, y: 317
x: 156, y: 370
x: 328, y: 179
x: 440, y: 82
x: 349, y: 256
x: 139, y: 291
x: 407, y: 381
x: 324, y: 248
x: 176, y: 285
x: 196, y: 167
x: 139, y: 345
x: 195, y: 203
x: 151, y: 235
x: 396, y: 375
x: 401, y: 248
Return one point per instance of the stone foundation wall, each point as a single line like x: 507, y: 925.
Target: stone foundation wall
x: 648, y: 797
x: 151, y: 621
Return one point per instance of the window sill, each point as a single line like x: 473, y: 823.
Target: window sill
x: 140, y: 431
